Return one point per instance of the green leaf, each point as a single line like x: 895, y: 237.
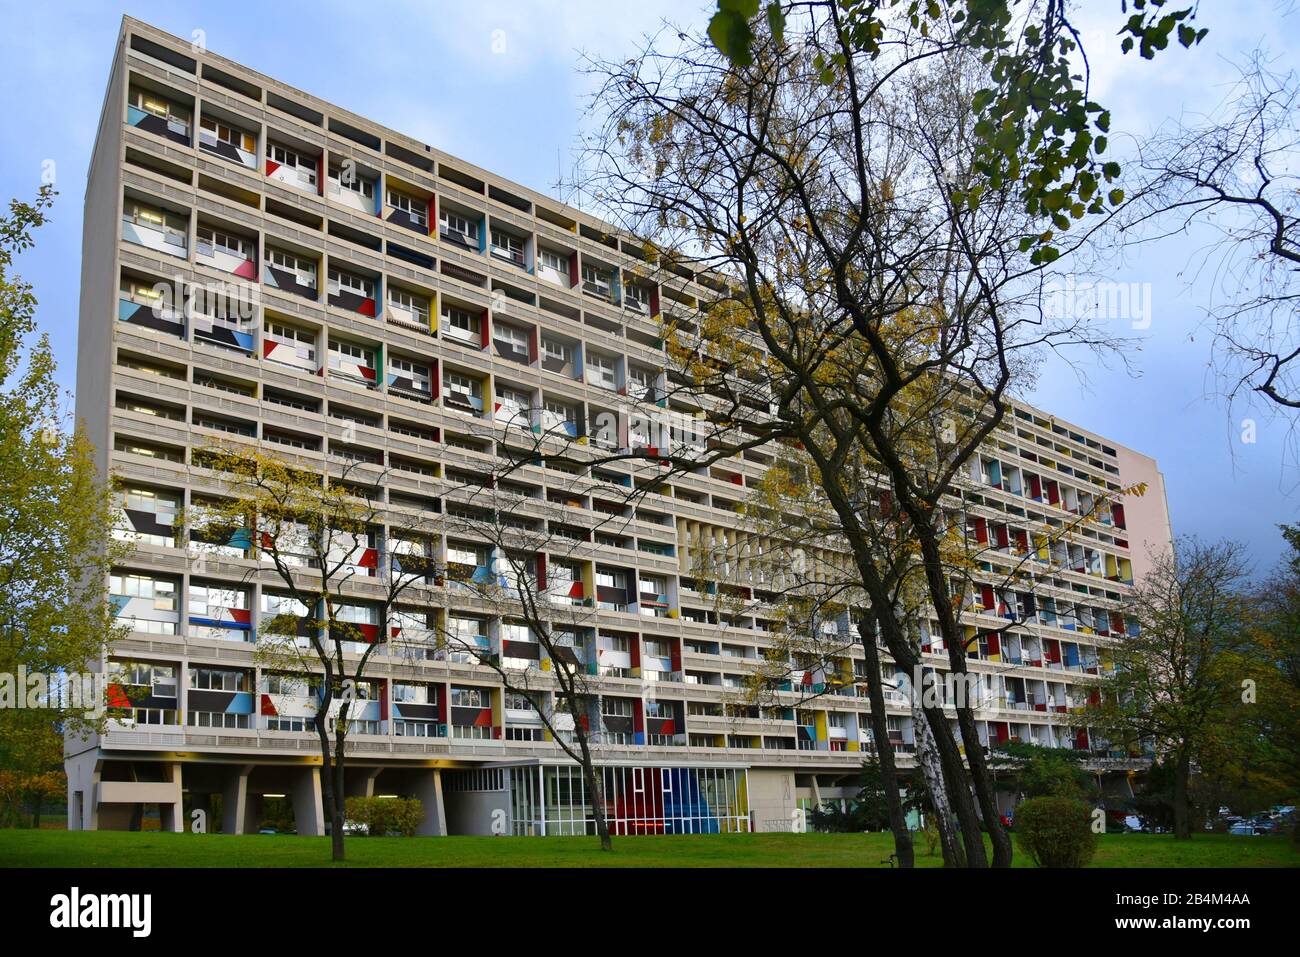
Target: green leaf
x: 776, y: 22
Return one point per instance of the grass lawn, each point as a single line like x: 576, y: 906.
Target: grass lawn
x: 50, y: 848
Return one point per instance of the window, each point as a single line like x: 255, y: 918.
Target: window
x: 212, y: 241
x: 305, y: 166
x: 471, y: 698
x: 160, y: 510
x: 303, y: 269
x: 412, y: 693
x: 554, y: 261
x: 173, y: 227
x: 511, y: 337
x: 357, y: 184
x: 600, y: 370
x: 160, y: 679
x: 513, y: 400
x: 462, y: 323
x: 638, y: 298
x: 416, y: 209
x: 177, y: 117
x: 213, y: 679
x: 222, y: 133
x: 596, y: 280
x: 616, y: 707
x: 341, y: 280
x: 417, y: 372
x: 416, y: 305
x: 463, y: 385
x: 507, y: 246
x: 555, y: 352
x: 459, y: 226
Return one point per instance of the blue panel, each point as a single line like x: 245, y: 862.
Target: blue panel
x: 240, y: 703
x: 134, y: 115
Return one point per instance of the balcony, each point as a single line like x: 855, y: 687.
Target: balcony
x: 155, y: 229
x: 226, y: 253
x: 228, y: 142
x: 150, y: 312
x: 159, y: 118
x: 289, y: 167
x: 348, y: 188
x: 295, y: 278
x: 351, y: 292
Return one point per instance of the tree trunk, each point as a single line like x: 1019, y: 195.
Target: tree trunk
x: 903, y: 848
x: 949, y: 629
x: 1182, y: 803
x: 927, y: 758
x: 36, y: 811
x: 595, y: 787
x: 328, y: 786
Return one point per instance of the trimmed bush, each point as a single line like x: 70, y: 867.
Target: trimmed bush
x: 382, y: 816
x: 1056, y: 831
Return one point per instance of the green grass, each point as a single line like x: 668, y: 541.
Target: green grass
x: 26, y: 848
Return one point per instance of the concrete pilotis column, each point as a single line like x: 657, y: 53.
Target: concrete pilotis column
x: 172, y: 813
x: 308, y: 807
x: 428, y: 789
x: 234, y: 802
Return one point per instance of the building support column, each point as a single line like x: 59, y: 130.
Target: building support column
x: 171, y: 814
x: 360, y: 782
x: 234, y: 801
x: 428, y: 789
x: 308, y: 807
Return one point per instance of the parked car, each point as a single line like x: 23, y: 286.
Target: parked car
x: 1245, y: 829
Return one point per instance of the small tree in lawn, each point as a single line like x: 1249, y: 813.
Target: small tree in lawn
x: 528, y: 582
x: 1180, y: 676
x: 316, y: 539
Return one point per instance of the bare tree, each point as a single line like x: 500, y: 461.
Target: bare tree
x: 1180, y: 673
x: 1233, y: 176
x: 892, y: 317
x: 317, y: 539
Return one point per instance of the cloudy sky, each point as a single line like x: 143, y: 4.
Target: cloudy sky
x: 497, y: 82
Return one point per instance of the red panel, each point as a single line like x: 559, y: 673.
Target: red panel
x: 117, y: 696
x: 271, y: 167
x: 268, y: 706
x: 995, y: 644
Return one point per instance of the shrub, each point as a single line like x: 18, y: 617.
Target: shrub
x: 1056, y: 831
x: 382, y: 816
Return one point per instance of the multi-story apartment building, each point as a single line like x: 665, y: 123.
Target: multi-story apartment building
x: 408, y: 304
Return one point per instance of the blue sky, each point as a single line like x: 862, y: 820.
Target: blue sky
x: 497, y: 83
